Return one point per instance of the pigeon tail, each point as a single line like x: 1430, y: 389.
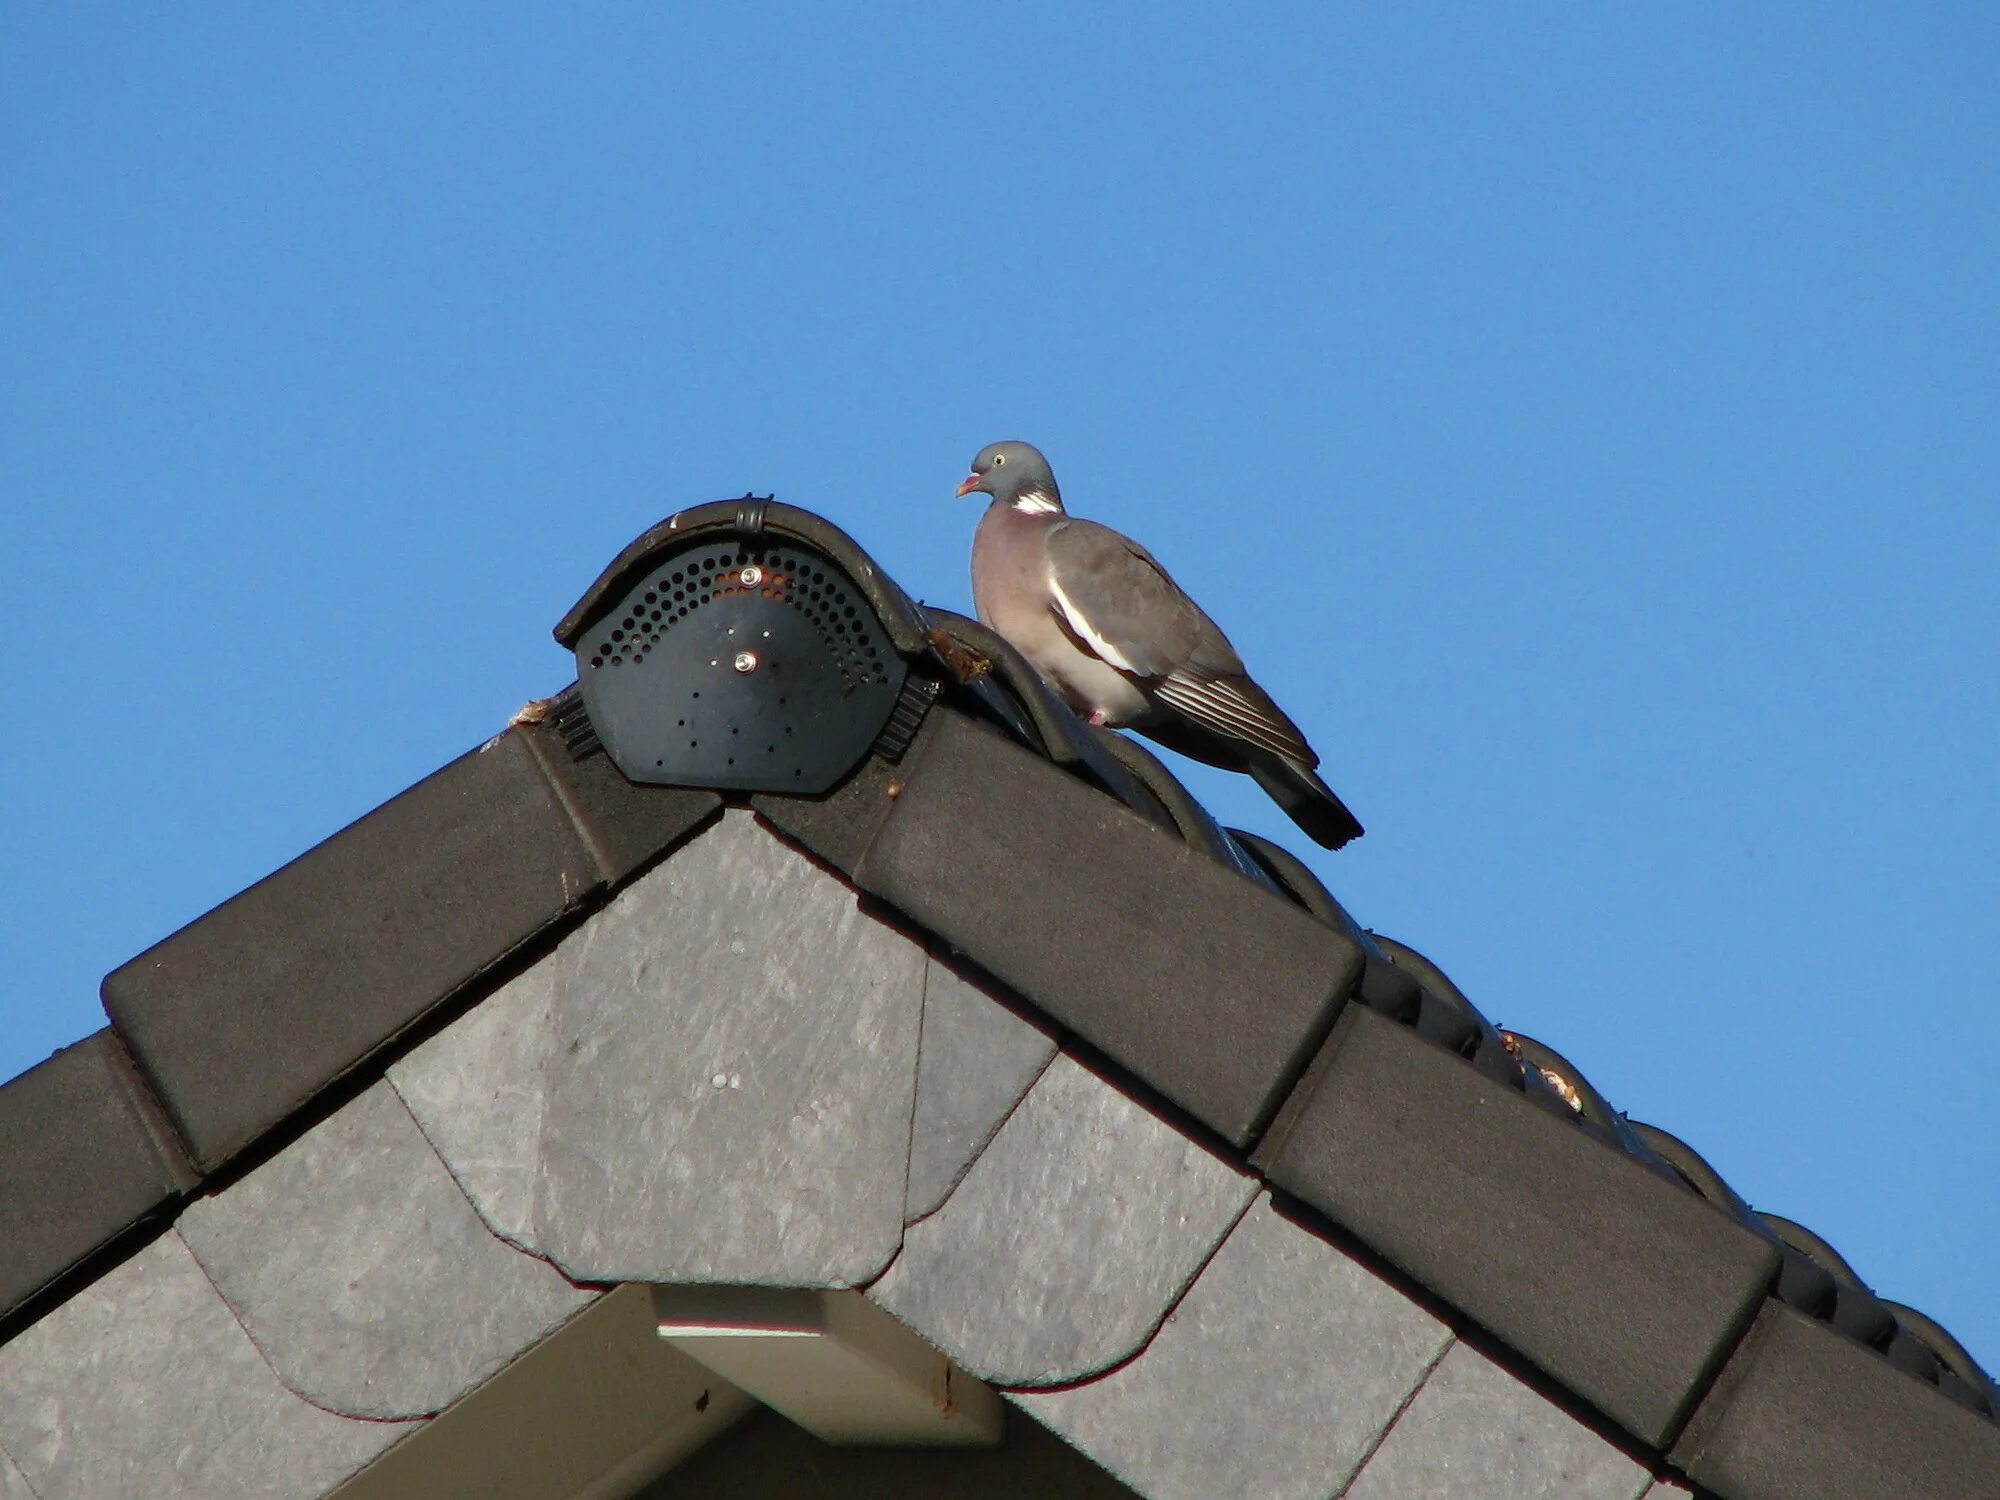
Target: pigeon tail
x: 1307, y: 801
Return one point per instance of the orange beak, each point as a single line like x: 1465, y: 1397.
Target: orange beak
x: 970, y: 483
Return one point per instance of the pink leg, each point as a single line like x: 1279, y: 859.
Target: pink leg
x: 1098, y: 718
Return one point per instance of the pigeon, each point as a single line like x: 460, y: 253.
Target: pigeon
x: 1113, y: 634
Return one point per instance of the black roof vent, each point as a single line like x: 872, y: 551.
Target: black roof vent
x: 720, y: 651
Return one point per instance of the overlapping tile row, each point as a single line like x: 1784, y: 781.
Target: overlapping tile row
x: 1547, y: 1228
x: 1153, y: 1305
x: 378, y: 1267
x: 736, y: 1071
x: 712, y: 1080
x: 1802, y: 1410
x: 85, y: 1154
x: 1623, y: 1286
x: 145, y: 1383
x: 1276, y: 1375
x: 229, y: 1028
x: 242, y: 1017
x: 318, y: 1308
x: 364, y: 1276
x: 1068, y: 1239
x: 1214, y: 989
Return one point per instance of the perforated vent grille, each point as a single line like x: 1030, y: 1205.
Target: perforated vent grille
x: 774, y: 573
x: 740, y: 664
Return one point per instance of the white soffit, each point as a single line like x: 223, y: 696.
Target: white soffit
x: 833, y: 1362
x: 595, y: 1411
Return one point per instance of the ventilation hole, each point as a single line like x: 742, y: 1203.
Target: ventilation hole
x: 659, y: 763
x: 697, y: 695
x: 732, y: 731
x: 655, y: 614
x: 615, y: 660
x: 677, y: 578
x: 692, y: 744
x: 797, y: 773
x: 682, y: 722
x: 627, y: 623
x: 619, y: 635
x: 597, y: 661
x: 732, y: 760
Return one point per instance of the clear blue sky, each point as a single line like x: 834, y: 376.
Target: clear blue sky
x: 1584, y: 423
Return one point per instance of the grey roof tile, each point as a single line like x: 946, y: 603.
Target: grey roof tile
x: 696, y: 1085
x: 1212, y: 987
x: 1802, y: 1410
x: 476, y: 1089
x: 839, y: 827
x: 730, y: 1091
x: 244, y: 1015
x: 624, y: 826
x: 84, y: 1155
x: 1476, y: 1431
x: 144, y: 1383
x: 1069, y: 1239
x: 1273, y: 1377
x: 364, y: 1275
x: 977, y: 1059
x: 580, y: 1106
x: 1626, y: 1287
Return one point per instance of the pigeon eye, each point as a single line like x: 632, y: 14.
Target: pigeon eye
x: 999, y: 459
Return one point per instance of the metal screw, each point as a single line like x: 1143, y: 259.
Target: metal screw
x: 751, y: 576
x: 746, y: 661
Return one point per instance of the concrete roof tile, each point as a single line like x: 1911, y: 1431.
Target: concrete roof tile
x: 1274, y: 1377
x: 1476, y: 1431
x: 1069, y: 1239
x: 144, y: 1383
x: 978, y: 1058
x: 365, y: 1276
x: 730, y: 1093
x: 476, y: 1089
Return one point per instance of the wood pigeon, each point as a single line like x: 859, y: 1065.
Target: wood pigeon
x: 1122, y: 645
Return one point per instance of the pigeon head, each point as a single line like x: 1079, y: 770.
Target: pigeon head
x: 1015, y: 474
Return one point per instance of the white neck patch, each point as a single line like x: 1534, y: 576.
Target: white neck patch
x: 1034, y: 503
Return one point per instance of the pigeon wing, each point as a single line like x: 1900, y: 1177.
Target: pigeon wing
x: 1120, y: 605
